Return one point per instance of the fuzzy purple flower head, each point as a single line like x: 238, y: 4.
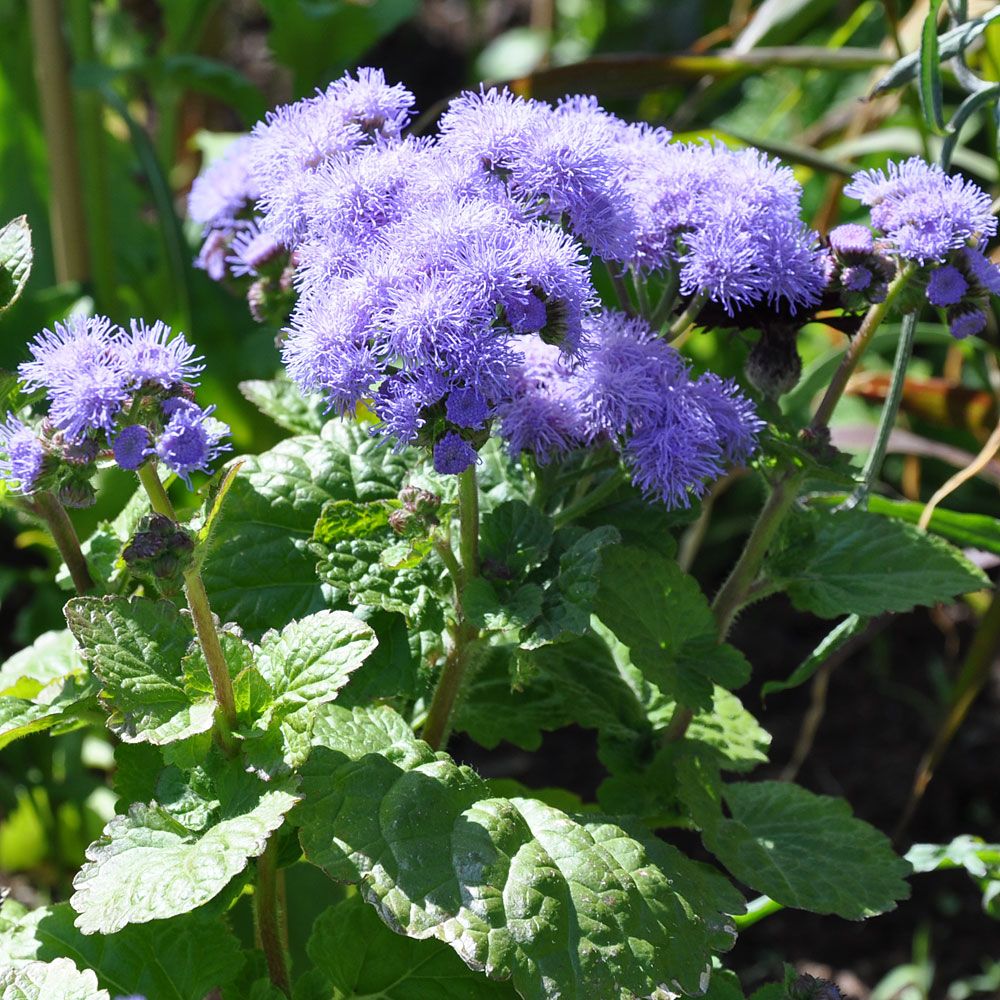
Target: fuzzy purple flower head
x: 125, y: 390
x: 21, y: 455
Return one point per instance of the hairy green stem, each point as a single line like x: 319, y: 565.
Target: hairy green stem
x: 468, y: 512
x: 859, y: 344
x: 443, y: 548
x: 734, y: 591
x: 621, y: 290
x: 686, y: 319
x: 268, y: 918
x: 606, y: 488
x: 52, y: 512
x: 890, y: 408
x: 437, y: 725
x: 204, y: 623
x: 69, y: 230
x: 666, y: 303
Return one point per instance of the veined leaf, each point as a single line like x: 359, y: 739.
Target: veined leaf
x: 58, y: 980
x: 661, y: 615
x: 521, y: 890
x: 281, y: 400
x: 775, y: 835
x: 360, y: 957
x: 16, y: 257
x: 853, y: 562
x: 147, y: 866
x: 135, y: 647
x: 198, y: 954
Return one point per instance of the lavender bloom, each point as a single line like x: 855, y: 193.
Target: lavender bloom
x: 466, y: 408
x: 250, y: 250
x: 59, y: 355
x: 91, y: 402
x: 852, y: 238
x: 946, y: 286
x: 212, y: 256
x: 150, y: 354
x: 453, y: 454
x: 856, y: 279
x: 966, y: 322
x: 544, y: 415
x: 296, y: 139
x: 222, y: 194
x: 131, y: 447
x: 981, y: 270
x: 191, y: 440
x: 24, y: 454
x: 923, y: 212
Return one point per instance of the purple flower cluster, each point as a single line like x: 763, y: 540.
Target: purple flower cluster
x: 633, y: 390
x: 941, y: 224
x: 25, y: 455
x: 130, y: 390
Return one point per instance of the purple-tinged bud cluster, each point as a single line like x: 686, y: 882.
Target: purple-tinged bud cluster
x: 127, y: 390
x: 860, y: 270
x: 22, y: 455
x: 632, y: 389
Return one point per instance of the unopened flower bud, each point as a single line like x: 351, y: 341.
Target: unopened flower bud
x: 773, y: 366
x: 77, y: 493
x: 808, y: 987
x: 402, y: 521
x: 419, y: 501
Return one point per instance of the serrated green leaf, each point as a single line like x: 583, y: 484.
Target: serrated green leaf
x: 555, y: 903
x: 361, y: 957
x: 854, y: 562
x: 16, y: 256
x: 310, y: 660
x: 197, y: 954
x: 58, y: 980
x: 483, y: 607
x: 803, y: 850
x: 661, y: 615
x: 351, y: 541
x: 513, y: 539
x: 147, y: 866
x: 977, y: 531
x: 568, y: 601
x: 43, y: 686
x: 259, y: 570
x: 280, y: 399
x: 135, y: 647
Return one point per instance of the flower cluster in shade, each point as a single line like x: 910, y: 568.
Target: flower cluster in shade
x: 130, y: 391
x: 930, y: 220
x: 676, y: 433
x: 430, y: 271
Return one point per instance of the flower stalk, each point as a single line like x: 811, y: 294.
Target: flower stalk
x: 437, y: 725
x: 204, y: 622
x: 52, y: 512
x: 269, y: 917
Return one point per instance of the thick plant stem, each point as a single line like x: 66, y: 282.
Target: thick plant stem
x: 734, y: 591
x: 757, y: 910
x: 269, y: 917
x: 614, y: 481
x: 438, y: 722
x: 48, y: 507
x: 859, y: 344
x: 204, y: 623
x: 468, y: 511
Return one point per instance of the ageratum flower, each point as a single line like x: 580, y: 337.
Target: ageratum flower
x: 127, y: 390
x: 923, y: 213
x: 191, y: 439
x: 21, y: 454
